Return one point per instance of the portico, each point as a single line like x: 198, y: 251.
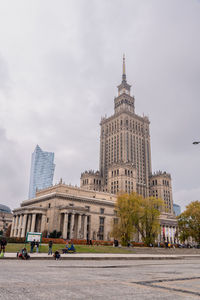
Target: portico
x: 27, y: 220
x: 74, y: 223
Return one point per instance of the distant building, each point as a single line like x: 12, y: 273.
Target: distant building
x: 42, y: 171
x: 5, y: 217
x: 177, y: 209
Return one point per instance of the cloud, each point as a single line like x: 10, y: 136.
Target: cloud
x: 59, y: 68
x: 12, y: 175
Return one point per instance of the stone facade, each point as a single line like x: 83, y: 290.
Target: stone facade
x: 77, y: 213
x: 5, y: 220
x: 161, y: 187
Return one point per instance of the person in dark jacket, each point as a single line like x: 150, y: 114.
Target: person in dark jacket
x: 50, y: 248
x: 56, y: 255
x: 32, y: 246
x: 3, y: 245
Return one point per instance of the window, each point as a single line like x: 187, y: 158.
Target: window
x: 115, y: 221
x: 101, y: 228
x: 49, y: 205
x: 101, y: 211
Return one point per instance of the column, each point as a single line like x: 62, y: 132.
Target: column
x: 72, y: 226
x: 43, y: 222
x: 164, y: 234
x: 105, y: 233
x: 65, y: 226
x: 84, y: 227
x: 29, y: 223
x: 89, y: 226
x: 78, y: 226
x: 33, y: 222
x: 19, y: 226
x: 13, y: 226
x: 24, y: 226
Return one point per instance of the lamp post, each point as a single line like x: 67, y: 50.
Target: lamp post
x: 196, y: 143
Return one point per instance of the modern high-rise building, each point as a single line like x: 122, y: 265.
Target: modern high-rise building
x: 42, y: 171
x: 177, y: 209
x: 125, y: 153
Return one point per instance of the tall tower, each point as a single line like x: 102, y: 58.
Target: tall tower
x: 125, y: 152
x: 42, y: 170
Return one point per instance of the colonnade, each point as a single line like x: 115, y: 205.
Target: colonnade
x: 27, y: 222
x: 75, y: 225
x: 168, y: 233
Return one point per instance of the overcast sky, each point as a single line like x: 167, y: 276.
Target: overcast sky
x: 60, y: 63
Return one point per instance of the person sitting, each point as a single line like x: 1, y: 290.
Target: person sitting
x: 65, y: 250
x: 23, y: 254
x: 71, y: 248
x: 56, y: 255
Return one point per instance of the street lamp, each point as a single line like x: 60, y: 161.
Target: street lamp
x: 196, y: 143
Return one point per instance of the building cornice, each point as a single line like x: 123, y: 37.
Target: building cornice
x: 69, y: 197
x: 27, y: 209
x: 140, y: 118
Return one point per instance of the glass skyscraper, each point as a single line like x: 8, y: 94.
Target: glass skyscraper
x: 42, y: 170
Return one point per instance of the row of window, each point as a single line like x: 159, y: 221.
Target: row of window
x: 165, y: 182
x: 85, y: 181
x: 130, y: 124
x: 95, y: 181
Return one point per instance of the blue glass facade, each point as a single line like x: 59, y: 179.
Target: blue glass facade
x: 177, y: 209
x: 42, y: 170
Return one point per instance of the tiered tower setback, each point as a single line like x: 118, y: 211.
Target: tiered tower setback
x: 125, y: 152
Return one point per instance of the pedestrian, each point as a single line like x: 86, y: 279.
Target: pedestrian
x: 3, y: 245
x: 37, y: 246
x: 50, y: 248
x: 32, y: 246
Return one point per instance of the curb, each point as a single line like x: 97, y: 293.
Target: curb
x: 109, y: 258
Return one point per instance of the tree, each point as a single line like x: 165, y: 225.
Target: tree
x: 189, y: 222
x: 137, y: 215
x: 125, y: 208
x: 8, y: 231
x: 147, y: 223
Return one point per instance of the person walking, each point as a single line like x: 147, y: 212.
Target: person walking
x: 3, y: 245
x: 37, y: 246
x: 50, y: 248
x: 32, y: 246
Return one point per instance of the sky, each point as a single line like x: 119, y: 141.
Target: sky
x: 60, y: 63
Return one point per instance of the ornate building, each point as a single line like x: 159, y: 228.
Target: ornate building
x: 125, y: 153
x: 76, y: 212
x: 125, y: 166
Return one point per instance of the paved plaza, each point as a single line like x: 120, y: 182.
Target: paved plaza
x: 103, y: 279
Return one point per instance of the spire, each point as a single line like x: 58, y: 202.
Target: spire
x: 124, y: 69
